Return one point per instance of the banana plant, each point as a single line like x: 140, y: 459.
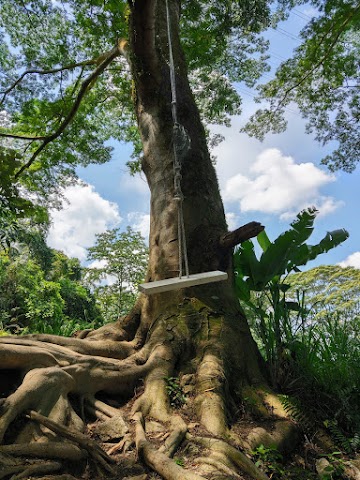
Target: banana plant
x: 267, y: 274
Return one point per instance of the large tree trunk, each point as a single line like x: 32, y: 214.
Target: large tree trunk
x: 222, y: 329
x: 198, y: 335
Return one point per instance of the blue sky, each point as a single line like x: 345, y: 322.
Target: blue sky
x: 269, y: 182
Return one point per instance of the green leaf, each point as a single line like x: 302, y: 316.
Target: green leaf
x: 293, y: 306
x: 246, y: 264
x: 322, y: 78
x: 242, y: 288
x: 303, y: 225
x: 263, y: 240
x: 306, y: 253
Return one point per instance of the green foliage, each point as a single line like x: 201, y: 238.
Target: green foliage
x: 348, y: 444
x: 331, y: 362
x: 18, y: 213
x: 269, y: 460
x: 261, y: 287
x: 46, y: 35
x: 175, y: 392
x: 329, y: 289
x: 285, y: 254
x: 120, y: 261
x: 322, y: 78
x: 59, y: 45
x: 39, y: 297
x: 307, y: 327
x: 325, y: 352
x: 336, y: 467
x: 296, y: 410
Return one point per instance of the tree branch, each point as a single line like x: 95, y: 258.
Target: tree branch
x: 119, y: 49
x: 321, y: 61
x: 241, y: 234
x: 21, y: 137
x: 45, y: 72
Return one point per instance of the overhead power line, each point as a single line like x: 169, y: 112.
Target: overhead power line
x: 301, y: 14
x: 252, y: 95
x: 282, y: 31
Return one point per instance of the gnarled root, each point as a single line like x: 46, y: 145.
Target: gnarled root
x: 27, y: 471
x: 156, y: 459
x: 228, y: 457
x: 82, y: 440
x: 63, y: 384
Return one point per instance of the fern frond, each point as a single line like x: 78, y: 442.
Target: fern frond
x: 296, y: 411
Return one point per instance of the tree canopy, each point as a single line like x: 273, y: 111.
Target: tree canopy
x: 330, y: 290
x: 65, y: 81
x: 322, y: 79
x: 42, y: 290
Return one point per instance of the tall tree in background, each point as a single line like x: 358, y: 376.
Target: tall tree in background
x: 78, y: 57
x: 330, y: 290
x: 119, y: 261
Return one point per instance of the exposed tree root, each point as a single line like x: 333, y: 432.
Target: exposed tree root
x: 66, y: 388
x: 45, y: 450
x: 228, y: 455
x: 57, y: 477
x: 27, y: 471
x: 85, y: 442
x: 176, y: 437
x: 210, y: 400
x: 219, y: 466
x: 156, y: 459
x: 106, y: 348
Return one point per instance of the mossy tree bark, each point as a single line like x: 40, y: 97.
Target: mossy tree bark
x: 198, y: 335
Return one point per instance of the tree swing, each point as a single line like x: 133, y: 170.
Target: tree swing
x: 181, y: 145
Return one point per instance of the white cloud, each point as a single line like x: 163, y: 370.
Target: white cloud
x: 236, y: 153
x: 328, y: 205
x: 276, y: 184
x: 140, y: 222
x: 135, y: 184
x: 232, y: 220
x: 352, y: 260
x: 97, y: 264
x: 108, y: 279
x: 324, y: 205
x: 85, y: 213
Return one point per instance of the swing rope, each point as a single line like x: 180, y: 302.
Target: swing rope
x: 181, y: 145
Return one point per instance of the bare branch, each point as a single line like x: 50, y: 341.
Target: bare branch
x: 119, y: 49
x: 241, y: 234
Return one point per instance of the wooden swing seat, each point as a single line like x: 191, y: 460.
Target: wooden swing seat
x: 183, y: 282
